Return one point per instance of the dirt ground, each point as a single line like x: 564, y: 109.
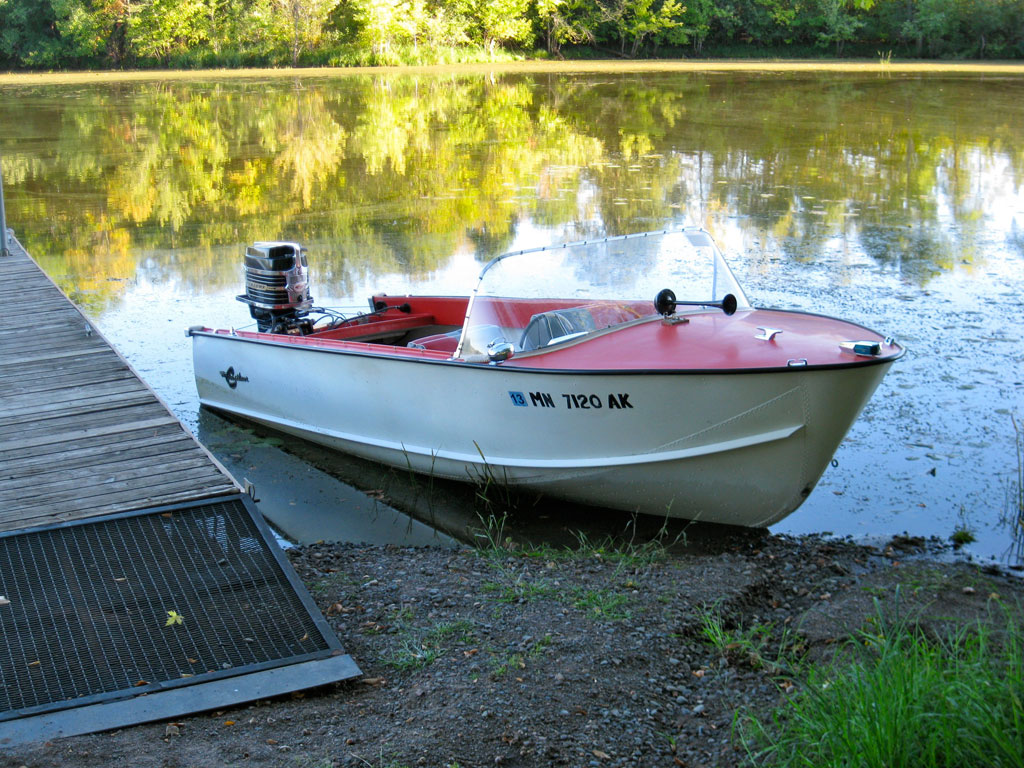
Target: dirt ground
x: 598, y: 658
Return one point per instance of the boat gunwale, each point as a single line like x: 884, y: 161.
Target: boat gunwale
x: 345, y: 347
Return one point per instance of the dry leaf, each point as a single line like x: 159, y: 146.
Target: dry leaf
x: 601, y: 755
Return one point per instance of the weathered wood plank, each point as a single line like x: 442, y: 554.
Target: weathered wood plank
x: 27, y: 455
x: 112, y: 458
x: 78, y: 387
x: 29, y: 372
x: 123, y: 493
x: 97, y: 449
x: 43, y: 324
x: 19, y: 345
x: 97, y: 348
x: 27, y: 296
x: 75, y: 485
x: 64, y: 337
x: 84, y: 405
x: 70, y: 334
x: 74, y: 397
x: 42, y: 384
x: 80, y: 434
x: 48, y: 517
x: 56, y: 431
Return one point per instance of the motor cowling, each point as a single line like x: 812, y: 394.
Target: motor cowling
x: 277, y: 287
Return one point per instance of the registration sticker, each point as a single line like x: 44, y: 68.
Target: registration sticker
x: 518, y: 398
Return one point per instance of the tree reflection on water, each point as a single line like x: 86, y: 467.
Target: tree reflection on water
x: 394, y: 173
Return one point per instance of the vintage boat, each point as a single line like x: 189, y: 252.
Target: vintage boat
x: 629, y: 372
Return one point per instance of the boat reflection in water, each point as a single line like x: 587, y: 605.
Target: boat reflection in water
x: 628, y: 372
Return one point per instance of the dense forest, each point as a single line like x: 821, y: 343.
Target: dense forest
x: 56, y: 34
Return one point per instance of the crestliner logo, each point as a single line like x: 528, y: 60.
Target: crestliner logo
x: 233, y: 378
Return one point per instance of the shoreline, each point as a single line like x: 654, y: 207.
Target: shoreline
x: 525, y: 67
x: 595, y: 656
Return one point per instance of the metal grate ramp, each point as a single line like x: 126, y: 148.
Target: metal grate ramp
x: 151, y: 602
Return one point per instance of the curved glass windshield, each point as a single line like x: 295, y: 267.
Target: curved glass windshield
x: 539, y: 298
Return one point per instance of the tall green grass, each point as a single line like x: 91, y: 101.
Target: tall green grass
x: 903, y: 698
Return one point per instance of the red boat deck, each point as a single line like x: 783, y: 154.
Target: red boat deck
x: 628, y: 336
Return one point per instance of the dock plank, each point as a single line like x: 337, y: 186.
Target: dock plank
x: 80, y: 434
x: 79, y: 463
x: 93, y: 441
x: 101, y: 480
x: 74, y: 425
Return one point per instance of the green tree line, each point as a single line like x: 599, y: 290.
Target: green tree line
x: 55, y: 34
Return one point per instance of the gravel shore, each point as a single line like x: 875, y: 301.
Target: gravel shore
x: 598, y: 657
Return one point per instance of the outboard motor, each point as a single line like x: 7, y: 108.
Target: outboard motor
x: 277, y: 287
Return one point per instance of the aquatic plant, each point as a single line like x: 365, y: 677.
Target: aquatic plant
x: 1013, y: 518
x: 963, y: 534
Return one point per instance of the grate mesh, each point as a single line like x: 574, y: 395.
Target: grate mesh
x: 89, y: 606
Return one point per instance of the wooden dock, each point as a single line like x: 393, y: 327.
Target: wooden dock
x: 80, y: 433
x: 110, y: 512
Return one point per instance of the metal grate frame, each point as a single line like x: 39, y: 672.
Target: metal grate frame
x: 113, y: 607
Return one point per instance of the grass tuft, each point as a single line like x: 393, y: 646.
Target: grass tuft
x: 602, y: 604
x: 628, y: 553
x: 901, y: 698
x: 418, y: 647
x: 760, y: 646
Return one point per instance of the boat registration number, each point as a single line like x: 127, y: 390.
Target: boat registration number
x: 584, y: 402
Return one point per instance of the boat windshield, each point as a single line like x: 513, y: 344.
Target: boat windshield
x: 547, y: 296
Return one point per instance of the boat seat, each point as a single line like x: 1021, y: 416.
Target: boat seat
x: 558, y: 325
x: 441, y: 342
x: 546, y: 327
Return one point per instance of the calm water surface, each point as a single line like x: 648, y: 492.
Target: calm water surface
x: 892, y: 200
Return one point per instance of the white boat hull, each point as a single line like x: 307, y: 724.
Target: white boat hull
x: 740, y: 448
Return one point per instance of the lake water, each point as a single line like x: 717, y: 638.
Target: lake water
x: 894, y: 200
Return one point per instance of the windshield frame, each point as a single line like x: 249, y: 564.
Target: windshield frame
x: 671, y: 246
